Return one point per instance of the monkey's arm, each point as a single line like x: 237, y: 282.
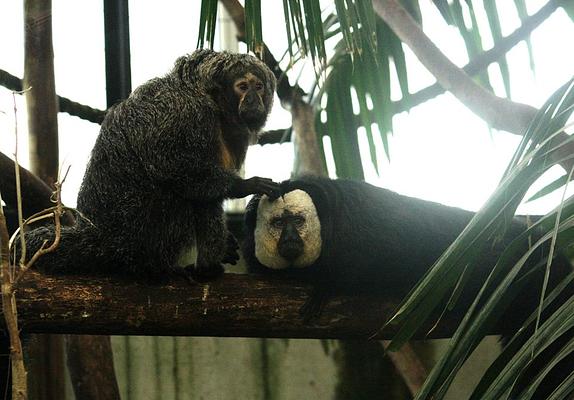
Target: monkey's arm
x: 255, y: 185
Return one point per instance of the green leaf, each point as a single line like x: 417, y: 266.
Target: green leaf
x: 298, y: 26
x: 565, y: 390
x: 523, y: 15
x: 253, y: 33
x: 340, y: 6
x: 516, y: 342
x: 445, y: 11
x: 207, y: 22
x: 470, y: 35
x: 495, y: 29
x: 534, y: 156
x: 290, y: 40
x: 568, y: 6
x: 551, y: 187
x: 340, y: 125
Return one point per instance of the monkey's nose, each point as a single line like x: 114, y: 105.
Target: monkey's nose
x: 290, y: 251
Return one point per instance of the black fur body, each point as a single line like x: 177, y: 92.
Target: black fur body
x: 378, y: 241
x: 163, y: 163
x: 374, y: 239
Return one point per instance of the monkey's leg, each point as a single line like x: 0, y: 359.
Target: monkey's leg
x: 211, y: 241
x: 231, y: 254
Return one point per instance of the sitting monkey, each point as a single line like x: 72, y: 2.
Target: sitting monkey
x: 164, y: 161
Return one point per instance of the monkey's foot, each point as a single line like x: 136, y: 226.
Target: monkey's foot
x: 231, y: 254
x: 203, y: 274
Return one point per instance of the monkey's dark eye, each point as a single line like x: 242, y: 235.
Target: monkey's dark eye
x: 243, y: 86
x: 258, y: 86
x: 277, y: 223
x: 298, y: 221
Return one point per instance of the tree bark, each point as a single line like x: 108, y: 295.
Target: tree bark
x: 92, y: 377
x: 234, y: 306
x: 40, y: 88
x: 308, y: 154
x: 45, y: 360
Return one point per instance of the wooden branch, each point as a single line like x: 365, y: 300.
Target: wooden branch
x: 10, y: 317
x: 235, y: 305
x: 36, y: 193
x: 409, y: 365
x: 308, y: 154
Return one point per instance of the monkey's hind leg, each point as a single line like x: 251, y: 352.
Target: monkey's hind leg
x: 211, y: 241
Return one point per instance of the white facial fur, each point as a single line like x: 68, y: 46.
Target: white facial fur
x: 267, y: 236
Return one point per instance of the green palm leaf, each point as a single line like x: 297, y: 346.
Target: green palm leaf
x: 532, y: 159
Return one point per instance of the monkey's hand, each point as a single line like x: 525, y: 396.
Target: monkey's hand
x: 231, y: 254
x: 255, y: 185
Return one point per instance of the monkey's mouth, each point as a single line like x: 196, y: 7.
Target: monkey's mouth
x: 290, y: 252
x: 252, y: 119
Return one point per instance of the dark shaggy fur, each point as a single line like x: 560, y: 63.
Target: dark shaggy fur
x: 373, y: 238
x: 162, y: 165
x: 377, y: 241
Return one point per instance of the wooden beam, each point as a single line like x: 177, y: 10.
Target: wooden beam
x: 236, y: 305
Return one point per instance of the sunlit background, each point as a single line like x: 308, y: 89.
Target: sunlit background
x: 439, y: 150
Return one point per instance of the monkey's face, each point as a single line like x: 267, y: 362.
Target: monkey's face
x: 288, y: 231
x: 240, y: 85
x: 249, y: 91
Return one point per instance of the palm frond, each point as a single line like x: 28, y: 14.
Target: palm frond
x: 523, y: 15
x: 535, y: 155
x: 207, y: 22
x: 495, y: 28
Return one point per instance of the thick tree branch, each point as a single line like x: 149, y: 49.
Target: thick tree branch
x: 235, y: 305
x: 66, y: 105
x: 36, y: 193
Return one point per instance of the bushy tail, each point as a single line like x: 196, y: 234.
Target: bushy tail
x: 78, y: 249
